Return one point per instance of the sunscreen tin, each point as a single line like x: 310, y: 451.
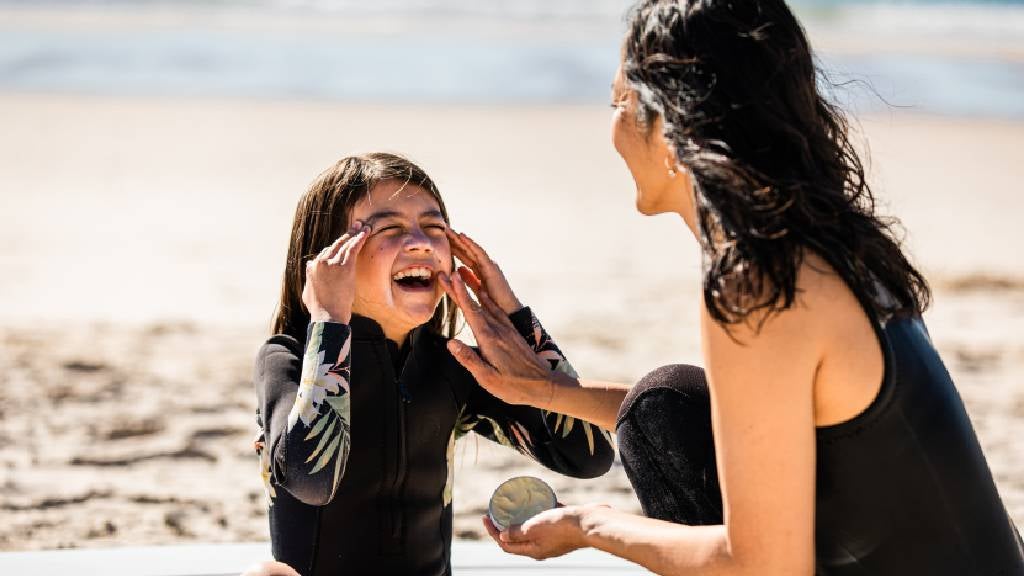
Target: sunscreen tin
x: 518, y: 499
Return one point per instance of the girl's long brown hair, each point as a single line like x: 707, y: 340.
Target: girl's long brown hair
x: 323, y: 214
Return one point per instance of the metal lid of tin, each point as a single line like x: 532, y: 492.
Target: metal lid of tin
x: 518, y: 499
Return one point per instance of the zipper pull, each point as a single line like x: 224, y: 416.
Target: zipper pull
x: 403, y: 391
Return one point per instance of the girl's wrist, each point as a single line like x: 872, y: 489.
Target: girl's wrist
x: 324, y: 315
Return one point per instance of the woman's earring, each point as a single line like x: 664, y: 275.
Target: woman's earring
x: 671, y: 169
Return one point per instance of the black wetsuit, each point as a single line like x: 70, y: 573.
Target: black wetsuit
x: 902, y: 489
x: 357, y: 448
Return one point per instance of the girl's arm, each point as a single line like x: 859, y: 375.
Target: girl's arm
x: 304, y: 394
x: 304, y: 412
x: 560, y: 442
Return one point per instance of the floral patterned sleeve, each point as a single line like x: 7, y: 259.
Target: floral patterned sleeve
x: 559, y: 442
x: 304, y: 412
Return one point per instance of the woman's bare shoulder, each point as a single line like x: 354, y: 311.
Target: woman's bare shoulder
x: 824, y: 294
x: 851, y: 367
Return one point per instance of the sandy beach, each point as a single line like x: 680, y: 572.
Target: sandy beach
x: 143, y: 242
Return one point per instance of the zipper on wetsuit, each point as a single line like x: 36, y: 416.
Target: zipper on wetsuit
x: 403, y: 391
x: 400, y: 467
x: 398, y: 481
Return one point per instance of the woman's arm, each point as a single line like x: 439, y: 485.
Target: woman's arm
x: 508, y: 368
x: 763, y: 420
x: 654, y: 544
x: 560, y: 442
x: 528, y: 376
x: 762, y: 410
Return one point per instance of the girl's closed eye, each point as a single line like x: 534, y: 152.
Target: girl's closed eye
x: 391, y: 228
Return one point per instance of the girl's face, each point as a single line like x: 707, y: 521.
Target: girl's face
x: 396, y: 272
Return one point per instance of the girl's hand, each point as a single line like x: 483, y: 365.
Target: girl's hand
x: 482, y: 273
x: 330, y: 278
x: 507, y: 366
x: 551, y: 533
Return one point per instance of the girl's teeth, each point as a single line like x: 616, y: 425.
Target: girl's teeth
x: 418, y: 272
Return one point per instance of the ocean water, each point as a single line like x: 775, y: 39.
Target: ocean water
x: 952, y: 58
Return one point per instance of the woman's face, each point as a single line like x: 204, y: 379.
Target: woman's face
x: 661, y: 185
x: 396, y: 272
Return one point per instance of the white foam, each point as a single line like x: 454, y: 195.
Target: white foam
x: 941, y: 21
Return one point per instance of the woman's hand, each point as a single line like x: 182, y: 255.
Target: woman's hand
x: 551, y: 533
x: 507, y: 366
x: 482, y: 273
x: 330, y: 278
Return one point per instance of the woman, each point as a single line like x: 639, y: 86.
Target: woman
x: 839, y: 444
x: 360, y: 403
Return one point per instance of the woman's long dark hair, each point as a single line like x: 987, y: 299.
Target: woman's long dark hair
x: 323, y: 214
x: 775, y: 172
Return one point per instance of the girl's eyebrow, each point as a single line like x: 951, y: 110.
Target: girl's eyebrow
x: 372, y: 218
x: 383, y: 214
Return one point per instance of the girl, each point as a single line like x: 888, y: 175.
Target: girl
x: 360, y: 403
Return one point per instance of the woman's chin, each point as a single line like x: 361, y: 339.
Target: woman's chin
x: 646, y: 207
x: 643, y: 202
x: 651, y: 204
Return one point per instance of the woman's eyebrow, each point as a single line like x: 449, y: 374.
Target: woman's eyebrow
x: 432, y: 214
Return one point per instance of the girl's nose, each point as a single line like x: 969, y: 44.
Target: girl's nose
x: 418, y: 241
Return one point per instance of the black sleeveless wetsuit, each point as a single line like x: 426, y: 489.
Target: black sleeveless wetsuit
x: 902, y: 489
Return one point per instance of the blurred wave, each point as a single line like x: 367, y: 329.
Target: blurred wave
x: 942, y: 22
x: 956, y: 58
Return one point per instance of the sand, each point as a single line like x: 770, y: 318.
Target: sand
x: 143, y: 242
